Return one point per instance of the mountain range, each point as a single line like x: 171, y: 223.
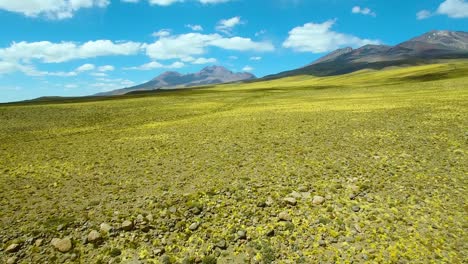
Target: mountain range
x: 431, y: 46
x: 427, y: 48
x: 172, y: 80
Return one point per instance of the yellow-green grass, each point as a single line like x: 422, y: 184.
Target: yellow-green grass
x: 395, y: 139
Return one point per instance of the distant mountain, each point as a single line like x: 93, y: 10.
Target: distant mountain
x: 171, y: 80
x: 420, y: 50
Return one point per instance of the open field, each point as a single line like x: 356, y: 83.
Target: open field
x: 202, y: 174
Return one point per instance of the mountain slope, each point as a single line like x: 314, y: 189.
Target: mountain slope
x: 171, y: 80
x: 420, y: 50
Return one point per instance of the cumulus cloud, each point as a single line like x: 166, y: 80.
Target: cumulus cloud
x: 86, y: 67
x: 319, y: 38
x: 450, y: 8
x: 363, y: 11
x: 185, y: 46
x: 170, y: 2
x: 106, y: 68
x: 423, y: 14
x: 53, y: 9
x: 257, y: 58
x: 194, y: 27
x: 204, y: 61
x: 454, y: 8
x: 227, y: 25
x: 247, y: 69
x: 49, y: 52
x: 162, y: 33
x: 156, y: 65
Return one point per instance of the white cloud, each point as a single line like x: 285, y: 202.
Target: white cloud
x: 162, y: 33
x: 261, y: 32
x: 194, y: 27
x: 450, y: 8
x: 233, y: 57
x: 319, y: 38
x: 99, y: 74
x: 257, y: 58
x: 85, y: 67
x: 204, y: 61
x: 247, y: 69
x: 423, y: 14
x: 130, y: 1
x: 106, y: 68
x: 226, y: 25
x: 49, y: 52
x: 363, y: 11
x: 53, y: 9
x: 185, y: 46
x: 156, y: 65
x: 454, y: 8
x: 170, y: 2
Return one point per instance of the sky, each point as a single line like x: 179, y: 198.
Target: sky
x: 83, y: 47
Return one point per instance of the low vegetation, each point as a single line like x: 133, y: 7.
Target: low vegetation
x: 366, y: 167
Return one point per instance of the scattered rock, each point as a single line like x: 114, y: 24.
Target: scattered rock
x: 94, y: 237
x: 295, y: 195
x: 114, y: 252
x: 221, y: 244
x: 194, y: 226
x: 127, y: 225
x: 303, y: 188
x: 270, y: 233
x: 62, y: 245
x: 159, y: 251
x: 290, y: 201
x: 38, y: 242
x: 60, y: 227
x: 150, y: 218
x: 13, y: 248
x: 242, y: 234
x: 356, y: 208
x: 322, y: 243
x: 318, y: 200
x: 284, y: 216
x: 12, y: 260
x: 105, y: 227
x: 269, y: 201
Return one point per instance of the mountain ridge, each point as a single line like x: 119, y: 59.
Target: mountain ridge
x: 172, y: 80
x: 433, y: 45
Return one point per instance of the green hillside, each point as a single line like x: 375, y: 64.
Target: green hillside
x: 203, y: 174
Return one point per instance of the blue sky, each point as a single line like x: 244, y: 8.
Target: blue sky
x: 81, y: 47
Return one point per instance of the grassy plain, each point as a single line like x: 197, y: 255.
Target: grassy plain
x: 387, y: 150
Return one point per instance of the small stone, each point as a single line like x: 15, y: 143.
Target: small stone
x: 60, y: 227
x: 303, y: 188
x: 38, y: 242
x: 295, y: 195
x: 194, y: 226
x: 105, y: 227
x: 94, y: 237
x: 290, y: 201
x: 242, y: 234
x: 12, y: 260
x: 322, y: 243
x: 318, y: 200
x: 62, y: 245
x: 221, y: 244
x: 173, y: 209
x: 150, y: 218
x: 114, y: 252
x: 356, y: 208
x: 284, y: 216
x: 127, y: 225
x: 270, y: 233
x: 269, y: 201
x: 140, y: 218
x: 13, y: 248
x: 158, y: 251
